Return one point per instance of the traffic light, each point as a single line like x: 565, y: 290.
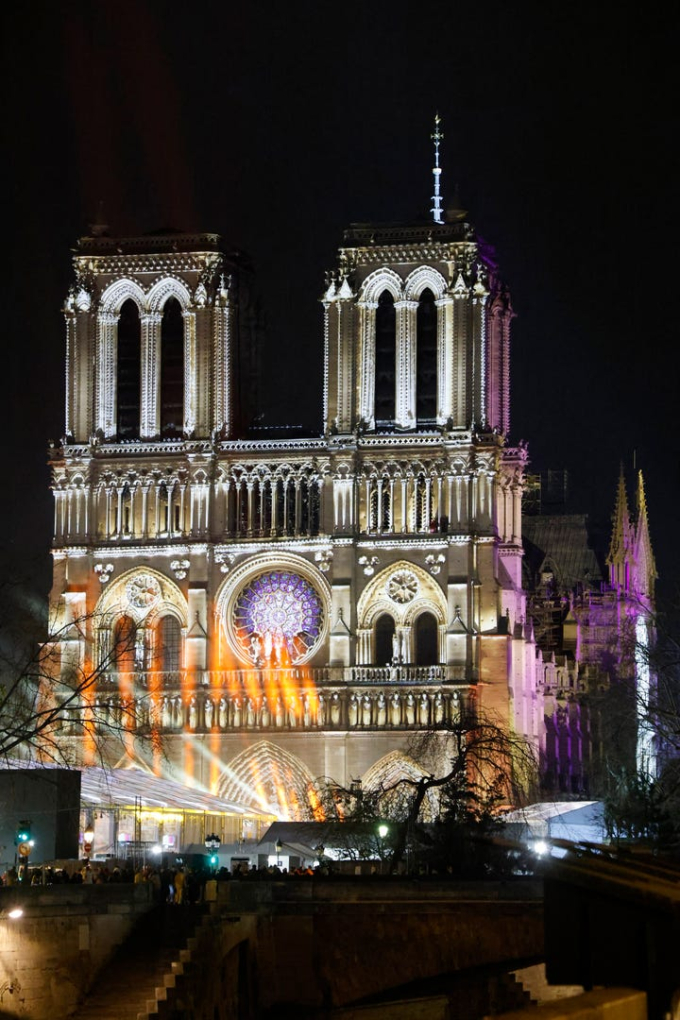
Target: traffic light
x: 23, y: 833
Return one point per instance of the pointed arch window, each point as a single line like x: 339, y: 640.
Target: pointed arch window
x: 128, y: 389
x: 380, y: 510
x: 124, y: 643
x: 385, y: 359
x: 427, y: 640
x: 426, y: 358
x: 172, y: 369
x: 384, y: 640
x: 168, y: 644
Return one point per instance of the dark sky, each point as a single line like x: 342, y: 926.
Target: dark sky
x: 278, y: 124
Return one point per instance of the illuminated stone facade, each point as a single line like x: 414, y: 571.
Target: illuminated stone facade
x: 271, y: 610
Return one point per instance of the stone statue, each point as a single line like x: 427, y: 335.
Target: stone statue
x: 410, y: 709
x: 250, y: 713
x: 222, y: 714
x: 395, y: 709
x: 423, y: 714
x: 265, y: 716
x: 321, y: 711
x: 255, y: 648
x: 438, y: 708
x: 193, y: 714
x: 236, y: 713
x: 335, y: 710
x: 353, y: 713
x: 381, y: 713
x: 366, y: 711
x: 279, y: 712
x: 209, y: 707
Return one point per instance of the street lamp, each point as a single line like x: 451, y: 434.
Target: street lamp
x: 213, y: 843
x: 88, y: 840
x: 278, y: 846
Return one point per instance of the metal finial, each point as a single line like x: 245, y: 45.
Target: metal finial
x: 436, y: 137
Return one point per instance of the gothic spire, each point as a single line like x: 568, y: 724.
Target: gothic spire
x: 436, y: 136
x: 620, y: 524
x: 643, y: 543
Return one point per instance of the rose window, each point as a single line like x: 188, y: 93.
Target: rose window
x: 402, y: 587
x: 143, y: 591
x: 278, y: 618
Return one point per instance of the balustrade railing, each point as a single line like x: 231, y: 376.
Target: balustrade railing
x: 357, y: 697
x: 316, y: 676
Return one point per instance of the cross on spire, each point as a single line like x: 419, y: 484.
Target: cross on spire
x: 436, y: 137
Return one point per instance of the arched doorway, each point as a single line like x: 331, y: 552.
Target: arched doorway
x: 384, y: 634
x: 426, y: 640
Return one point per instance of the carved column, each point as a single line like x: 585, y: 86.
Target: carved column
x: 223, y: 330
x: 71, y: 372
x: 479, y: 299
x: 105, y: 414
x: 367, y: 349
x: 190, y: 372
x: 405, y: 411
x: 459, y: 364
x: 445, y: 370
x: 250, y: 510
x: 274, y: 523
x: 150, y: 375
x: 298, y: 507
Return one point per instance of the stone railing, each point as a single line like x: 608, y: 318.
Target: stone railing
x: 360, y: 697
x: 317, y: 676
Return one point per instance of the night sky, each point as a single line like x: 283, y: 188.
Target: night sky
x: 277, y: 125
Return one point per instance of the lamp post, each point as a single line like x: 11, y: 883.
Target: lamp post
x: 213, y: 843
x: 88, y: 841
x: 278, y: 846
x: 382, y: 832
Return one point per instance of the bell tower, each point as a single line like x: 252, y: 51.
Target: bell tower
x: 417, y: 387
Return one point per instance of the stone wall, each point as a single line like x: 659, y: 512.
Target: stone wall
x: 51, y: 954
x: 327, y: 944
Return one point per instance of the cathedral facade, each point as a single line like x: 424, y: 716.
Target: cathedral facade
x: 271, y: 610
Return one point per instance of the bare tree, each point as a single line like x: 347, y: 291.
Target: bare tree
x: 48, y: 697
x: 464, y: 772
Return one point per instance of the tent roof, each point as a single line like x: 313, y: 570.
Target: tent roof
x: 123, y: 788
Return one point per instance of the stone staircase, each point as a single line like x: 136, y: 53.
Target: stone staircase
x: 142, y: 980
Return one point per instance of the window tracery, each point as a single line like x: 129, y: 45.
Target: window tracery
x: 278, y: 618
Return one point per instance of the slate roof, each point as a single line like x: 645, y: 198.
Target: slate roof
x: 561, y: 545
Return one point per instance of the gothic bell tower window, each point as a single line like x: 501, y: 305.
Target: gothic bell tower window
x: 129, y: 369
x: 426, y: 370
x: 426, y: 640
x: 172, y: 369
x: 385, y: 359
x: 384, y: 639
